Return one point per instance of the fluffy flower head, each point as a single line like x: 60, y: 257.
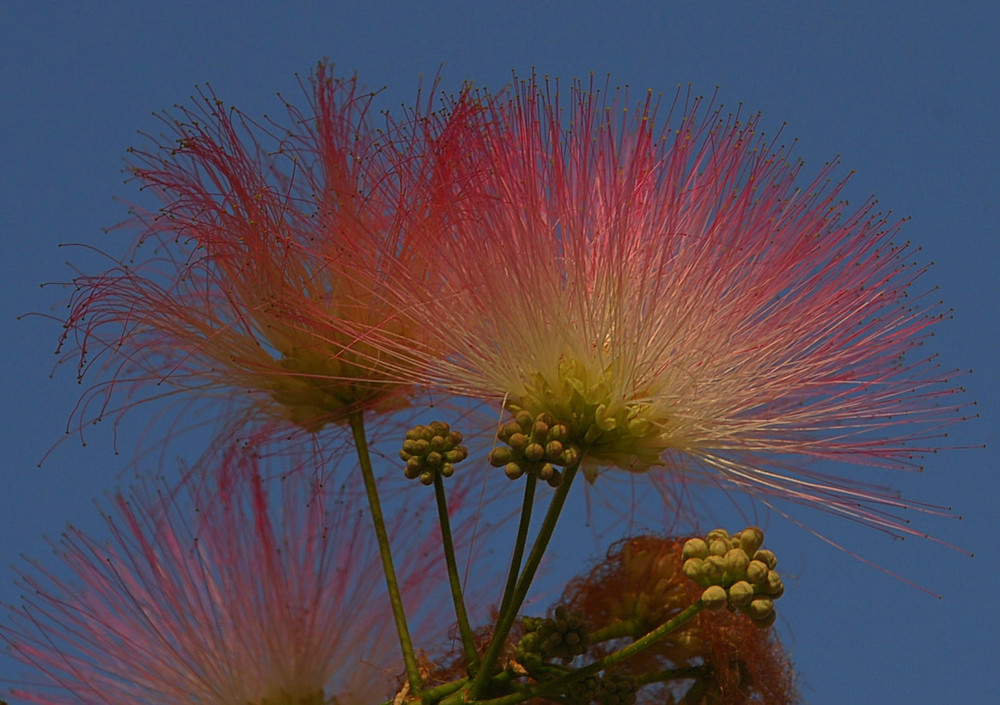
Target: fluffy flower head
x: 245, y: 589
x: 672, y: 297
x: 268, y: 258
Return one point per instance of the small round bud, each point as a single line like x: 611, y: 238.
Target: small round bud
x: 438, y: 428
x: 774, y: 587
x: 714, y: 568
x: 767, y: 558
x: 736, y: 563
x: 740, y: 593
x: 570, y: 457
x: 546, y: 471
x: 694, y: 569
x: 539, y: 431
x: 434, y: 459
x: 719, y: 547
x: 438, y: 444
x: 534, y: 452
x: 410, y: 446
x: 500, y: 456
x: 559, y: 432
x: 427, y: 477
x: 518, y: 442
x: 714, y: 597
x: 513, y: 470
x: 524, y: 420
x: 414, y: 466
x: 447, y: 470
x: 751, y: 539
x: 757, y: 572
x: 760, y: 608
x: 717, y: 534
x: 553, y: 451
x: 508, y: 430
x: 695, y: 548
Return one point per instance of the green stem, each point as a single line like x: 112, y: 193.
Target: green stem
x: 357, y: 423
x: 506, y: 620
x: 611, y: 659
x: 468, y: 642
x: 626, y: 627
x: 519, y: 543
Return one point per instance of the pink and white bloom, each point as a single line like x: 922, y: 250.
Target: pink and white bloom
x: 237, y: 589
x: 265, y: 269
x: 670, y: 294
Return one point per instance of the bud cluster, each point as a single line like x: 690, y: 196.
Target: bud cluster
x: 534, y: 445
x: 611, y: 689
x: 564, y: 636
x: 432, y: 449
x: 735, y: 572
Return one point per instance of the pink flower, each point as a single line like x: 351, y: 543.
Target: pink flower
x: 242, y: 589
x: 266, y: 269
x: 673, y: 298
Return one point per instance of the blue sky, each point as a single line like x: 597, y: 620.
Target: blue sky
x: 906, y: 93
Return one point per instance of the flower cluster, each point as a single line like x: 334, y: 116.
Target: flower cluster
x: 643, y: 295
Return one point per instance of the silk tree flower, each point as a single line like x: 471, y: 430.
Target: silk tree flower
x: 673, y: 301
x: 263, y: 271
x: 246, y: 588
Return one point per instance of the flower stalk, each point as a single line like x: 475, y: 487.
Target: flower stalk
x: 356, y: 421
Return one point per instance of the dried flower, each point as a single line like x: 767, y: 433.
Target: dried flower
x: 671, y: 297
x: 269, y: 258
x: 238, y: 590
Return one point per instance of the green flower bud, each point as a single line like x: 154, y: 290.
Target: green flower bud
x: 414, y: 466
x: 694, y: 568
x: 774, y: 587
x: 570, y: 457
x: 513, y: 470
x: 447, y: 469
x: 500, y: 456
x: 427, y: 477
x: 714, y: 597
x: 736, y: 563
x: 751, y: 539
x: 719, y: 547
x: 760, y: 608
x: 717, y: 534
x: 714, y: 568
x: 695, y: 548
x: 554, y: 451
x: 534, y: 452
x: 523, y: 420
x: 438, y: 428
x: 757, y: 572
x: 740, y: 593
x: 518, y: 442
x: 434, y: 459
x: 559, y: 432
x: 539, y: 432
x: 767, y: 558
x: 508, y: 430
